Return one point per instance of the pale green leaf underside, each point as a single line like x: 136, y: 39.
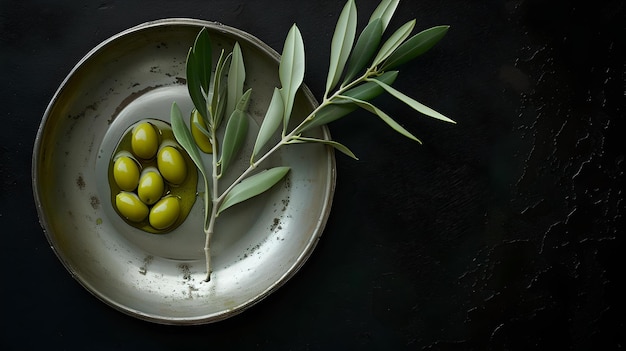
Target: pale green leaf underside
x: 271, y: 122
x: 235, y: 133
x: 253, y: 186
x: 339, y: 108
x: 236, y: 78
x: 244, y: 100
x: 375, y: 110
x: 202, y: 129
x: 234, y: 136
x: 393, y: 42
x: 217, y: 113
x: 184, y: 138
x: 291, y: 70
x: 344, y: 149
x: 341, y: 44
x: 221, y: 106
x: 385, y: 11
x: 417, y: 106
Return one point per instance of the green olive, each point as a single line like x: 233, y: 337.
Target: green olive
x: 153, y: 181
x: 130, y: 206
x: 151, y: 186
x: 172, y: 165
x: 144, y: 140
x: 126, y: 173
x: 165, y: 212
x: 200, y: 138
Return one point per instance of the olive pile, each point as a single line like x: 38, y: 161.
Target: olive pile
x: 152, y: 180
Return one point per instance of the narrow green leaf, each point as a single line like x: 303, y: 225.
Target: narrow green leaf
x: 364, y: 49
x: 375, y: 110
x: 393, y: 42
x: 385, y: 11
x: 253, y: 186
x: 291, y: 70
x: 344, y: 149
x: 234, y: 136
x: 194, y: 84
x: 415, y: 46
x: 341, y: 44
x: 235, y: 133
x: 242, y: 104
x: 271, y: 122
x: 184, y: 138
x: 236, y: 78
x: 330, y: 113
x: 417, y: 106
x: 340, y: 108
x: 202, y: 51
x: 202, y: 129
x: 367, y: 91
x: 217, y: 80
x: 221, y: 106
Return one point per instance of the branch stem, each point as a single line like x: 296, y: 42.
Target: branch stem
x: 209, y: 229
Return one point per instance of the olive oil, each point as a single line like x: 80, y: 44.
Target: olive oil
x: 152, y: 179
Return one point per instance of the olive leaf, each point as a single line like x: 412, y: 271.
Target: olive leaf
x: 202, y: 52
x: 234, y: 136
x: 364, y: 49
x: 417, y: 106
x: 328, y: 114
x: 291, y: 70
x: 217, y: 100
x: 236, y: 78
x: 415, y: 46
x: 375, y: 110
x: 253, y: 186
x: 198, y: 71
x: 384, y: 11
x: 243, y: 102
x: 271, y: 121
x: 221, y: 107
x: 368, y: 91
x: 235, y: 133
x: 341, y: 107
x: 341, y: 44
x: 394, y: 41
x: 202, y: 130
x: 184, y: 138
x: 194, y: 86
x: 338, y: 146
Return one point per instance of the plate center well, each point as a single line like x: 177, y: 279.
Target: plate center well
x: 185, y: 243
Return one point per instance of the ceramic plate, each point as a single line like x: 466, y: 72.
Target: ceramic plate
x: 257, y: 245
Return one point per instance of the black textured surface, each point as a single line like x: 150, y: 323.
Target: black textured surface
x: 502, y: 232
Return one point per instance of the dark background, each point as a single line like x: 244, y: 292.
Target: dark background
x: 503, y: 232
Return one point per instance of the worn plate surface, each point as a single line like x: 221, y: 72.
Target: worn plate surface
x: 258, y: 245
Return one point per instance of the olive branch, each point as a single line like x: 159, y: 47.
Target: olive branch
x: 358, y: 72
